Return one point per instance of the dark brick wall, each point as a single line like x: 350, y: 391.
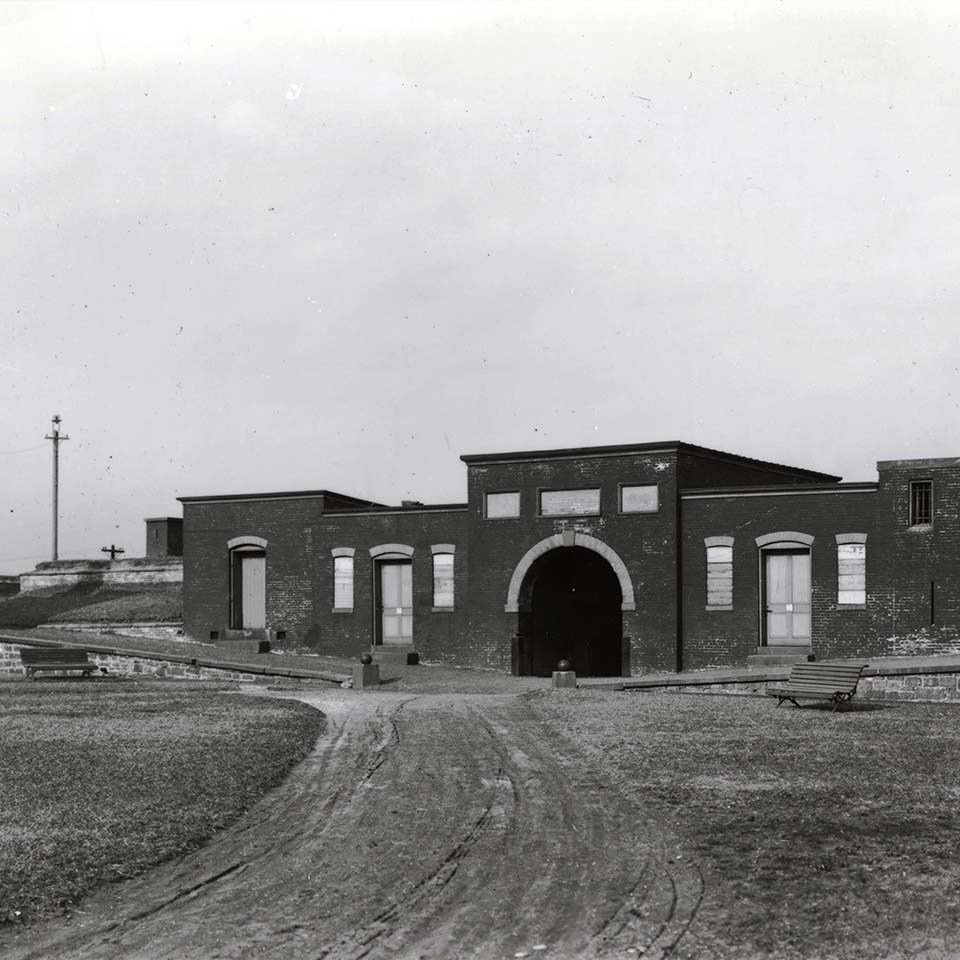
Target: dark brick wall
x: 478, y: 632
x: 645, y: 542
x: 300, y: 572
x: 727, y: 637
x: 919, y: 557
x: 901, y: 563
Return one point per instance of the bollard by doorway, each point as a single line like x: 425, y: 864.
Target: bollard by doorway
x: 366, y: 673
x: 563, y: 677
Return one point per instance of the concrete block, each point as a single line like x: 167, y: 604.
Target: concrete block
x: 366, y: 675
x: 564, y: 679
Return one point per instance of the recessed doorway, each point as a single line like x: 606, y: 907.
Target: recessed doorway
x: 786, y: 590
x: 394, y: 601
x: 572, y: 611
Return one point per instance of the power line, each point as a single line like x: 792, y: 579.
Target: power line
x: 10, y: 453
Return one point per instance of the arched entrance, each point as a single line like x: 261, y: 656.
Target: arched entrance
x: 570, y: 609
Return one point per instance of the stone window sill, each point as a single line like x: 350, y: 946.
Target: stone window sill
x: 443, y: 609
x: 730, y: 607
x: 341, y: 609
x: 851, y: 606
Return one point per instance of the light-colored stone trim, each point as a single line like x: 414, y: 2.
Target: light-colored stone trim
x: 565, y: 539
x: 718, y: 541
x: 247, y: 542
x: 396, y: 548
x: 443, y: 548
x: 785, y: 536
x: 343, y: 551
x: 851, y: 538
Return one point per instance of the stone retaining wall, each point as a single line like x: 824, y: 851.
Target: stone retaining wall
x: 925, y: 688
x: 152, y: 631
x: 10, y: 666
x: 67, y: 573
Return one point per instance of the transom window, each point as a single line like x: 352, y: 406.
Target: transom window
x: 637, y: 498
x: 921, y: 503
x: 570, y: 503
x: 502, y: 505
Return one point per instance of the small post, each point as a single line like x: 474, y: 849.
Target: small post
x: 563, y: 677
x: 515, y: 641
x: 366, y: 673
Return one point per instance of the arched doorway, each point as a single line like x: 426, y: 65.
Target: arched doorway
x: 570, y: 609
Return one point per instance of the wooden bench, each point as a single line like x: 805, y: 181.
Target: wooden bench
x: 819, y: 681
x: 60, y: 658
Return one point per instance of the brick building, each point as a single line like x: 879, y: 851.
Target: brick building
x: 623, y: 559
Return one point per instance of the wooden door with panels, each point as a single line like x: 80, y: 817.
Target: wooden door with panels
x: 787, y: 597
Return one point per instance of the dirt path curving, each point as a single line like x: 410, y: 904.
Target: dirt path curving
x: 440, y: 825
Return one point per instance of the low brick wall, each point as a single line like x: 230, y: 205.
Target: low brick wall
x: 10, y: 666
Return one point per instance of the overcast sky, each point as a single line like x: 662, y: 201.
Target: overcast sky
x: 267, y: 247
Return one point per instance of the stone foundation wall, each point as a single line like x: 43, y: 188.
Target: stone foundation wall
x: 926, y: 688
x: 152, y: 631
x: 10, y: 666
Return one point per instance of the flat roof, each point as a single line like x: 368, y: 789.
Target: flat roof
x: 625, y: 449
x: 779, y: 490
x: 282, y: 495
x: 919, y: 464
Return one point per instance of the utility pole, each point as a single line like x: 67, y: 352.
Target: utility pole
x: 113, y: 551
x: 57, y: 439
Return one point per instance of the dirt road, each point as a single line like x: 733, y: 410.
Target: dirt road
x: 430, y: 825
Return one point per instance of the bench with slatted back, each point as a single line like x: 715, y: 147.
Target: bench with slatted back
x: 819, y: 681
x: 58, y: 659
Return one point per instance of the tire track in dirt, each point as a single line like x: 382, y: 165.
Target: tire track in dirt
x: 602, y: 884
x: 421, y: 826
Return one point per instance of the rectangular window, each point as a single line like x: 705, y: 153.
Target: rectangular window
x: 501, y: 505
x: 443, y: 580
x: 921, y: 503
x: 720, y: 577
x: 343, y: 583
x: 852, y: 573
x: 570, y: 503
x: 639, y: 499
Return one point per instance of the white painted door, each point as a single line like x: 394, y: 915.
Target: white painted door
x: 788, y: 598
x: 396, y: 597
x: 253, y: 586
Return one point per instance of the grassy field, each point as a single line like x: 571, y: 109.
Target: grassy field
x: 99, y: 781
x: 820, y: 835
